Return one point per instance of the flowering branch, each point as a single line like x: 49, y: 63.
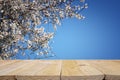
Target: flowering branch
x: 21, y: 20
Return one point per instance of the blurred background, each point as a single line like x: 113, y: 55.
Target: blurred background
x: 95, y: 37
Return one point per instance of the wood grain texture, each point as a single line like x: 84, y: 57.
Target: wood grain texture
x: 31, y: 70
x: 73, y: 70
x: 110, y: 68
x: 60, y: 69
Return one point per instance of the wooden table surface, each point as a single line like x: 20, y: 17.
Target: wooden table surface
x: 59, y: 69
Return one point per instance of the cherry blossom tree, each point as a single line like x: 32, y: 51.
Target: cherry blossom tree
x: 21, y: 30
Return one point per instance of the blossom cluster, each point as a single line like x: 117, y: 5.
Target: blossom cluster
x: 21, y: 24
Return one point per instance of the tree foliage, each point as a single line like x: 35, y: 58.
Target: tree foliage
x: 21, y: 33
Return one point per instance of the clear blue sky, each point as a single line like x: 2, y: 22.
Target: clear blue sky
x: 96, y: 37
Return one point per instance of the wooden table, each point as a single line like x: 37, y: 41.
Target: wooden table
x: 59, y: 69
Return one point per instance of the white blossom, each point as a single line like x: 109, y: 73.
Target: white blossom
x: 29, y: 42
x: 55, y: 27
x: 21, y: 21
x: 1, y: 36
x: 16, y: 50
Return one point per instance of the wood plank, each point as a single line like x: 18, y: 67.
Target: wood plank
x: 6, y: 62
x: 5, y: 69
x: 59, y: 70
x: 110, y: 68
x: 32, y: 70
x: 73, y: 70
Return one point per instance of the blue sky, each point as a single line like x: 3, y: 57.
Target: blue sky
x: 95, y: 37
